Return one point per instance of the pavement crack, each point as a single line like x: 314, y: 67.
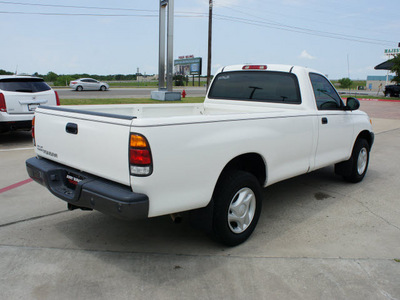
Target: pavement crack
x: 205, y: 255
x: 32, y: 218
x: 387, y: 131
x: 378, y: 216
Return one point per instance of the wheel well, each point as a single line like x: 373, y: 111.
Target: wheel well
x: 251, y: 162
x: 367, y: 136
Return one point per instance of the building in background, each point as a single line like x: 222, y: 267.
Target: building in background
x: 377, y: 83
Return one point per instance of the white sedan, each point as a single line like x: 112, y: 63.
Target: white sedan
x: 88, y: 84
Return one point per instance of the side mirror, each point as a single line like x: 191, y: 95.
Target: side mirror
x: 352, y: 104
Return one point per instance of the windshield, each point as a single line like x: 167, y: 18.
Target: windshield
x: 265, y: 86
x: 24, y: 85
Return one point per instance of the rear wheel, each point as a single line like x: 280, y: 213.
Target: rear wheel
x: 79, y: 88
x: 237, y: 208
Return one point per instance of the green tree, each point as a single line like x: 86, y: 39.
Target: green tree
x: 4, y: 72
x: 396, y: 68
x: 51, y: 77
x: 63, y: 80
x: 345, y: 83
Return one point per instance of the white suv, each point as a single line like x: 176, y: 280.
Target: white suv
x: 19, y: 97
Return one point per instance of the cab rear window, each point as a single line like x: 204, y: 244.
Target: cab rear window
x: 264, y: 86
x: 24, y: 85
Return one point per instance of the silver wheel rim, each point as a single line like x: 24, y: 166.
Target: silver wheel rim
x: 241, y: 210
x: 362, y: 161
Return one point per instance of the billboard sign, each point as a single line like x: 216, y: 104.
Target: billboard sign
x: 188, y: 65
x: 394, y: 51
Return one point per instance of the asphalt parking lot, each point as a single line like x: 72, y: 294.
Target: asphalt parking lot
x: 318, y: 238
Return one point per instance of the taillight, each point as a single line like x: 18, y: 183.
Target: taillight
x: 140, y: 160
x: 33, y: 131
x: 57, y: 98
x: 3, y: 106
x: 254, y: 67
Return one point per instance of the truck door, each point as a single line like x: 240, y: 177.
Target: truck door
x: 335, y: 125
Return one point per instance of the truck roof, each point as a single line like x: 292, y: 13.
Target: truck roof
x: 264, y: 67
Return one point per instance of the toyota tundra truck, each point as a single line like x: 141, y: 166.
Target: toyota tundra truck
x: 258, y: 125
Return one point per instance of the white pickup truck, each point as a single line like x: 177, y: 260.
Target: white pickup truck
x: 259, y: 124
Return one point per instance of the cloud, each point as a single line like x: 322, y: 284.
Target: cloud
x: 306, y: 55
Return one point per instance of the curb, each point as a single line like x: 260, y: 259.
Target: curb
x: 374, y: 100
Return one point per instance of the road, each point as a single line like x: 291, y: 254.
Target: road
x: 318, y: 237
x: 66, y: 93
x: 125, y: 93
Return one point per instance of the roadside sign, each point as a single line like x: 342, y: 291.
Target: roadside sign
x: 394, y: 51
x: 188, y: 66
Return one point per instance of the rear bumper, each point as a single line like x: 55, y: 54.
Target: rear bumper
x: 91, y: 192
x: 15, y: 125
x: 9, y: 122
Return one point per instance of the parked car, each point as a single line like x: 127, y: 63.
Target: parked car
x: 392, y: 90
x: 19, y: 97
x: 88, y: 84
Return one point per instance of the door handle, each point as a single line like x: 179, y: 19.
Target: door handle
x: 324, y: 120
x: 71, y: 128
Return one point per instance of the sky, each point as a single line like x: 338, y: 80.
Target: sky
x: 336, y: 37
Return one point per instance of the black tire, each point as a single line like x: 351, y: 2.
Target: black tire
x: 356, y: 167
x: 103, y: 88
x: 234, y: 187
x: 79, y: 88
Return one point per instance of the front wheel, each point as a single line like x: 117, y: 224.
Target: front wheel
x: 356, y: 167
x: 237, y: 208
x: 103, y: 88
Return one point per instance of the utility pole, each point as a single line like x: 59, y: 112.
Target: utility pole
x: 209, y: 42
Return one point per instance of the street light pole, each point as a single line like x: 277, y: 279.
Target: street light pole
x: 209, y: 42
x: 166, y: 93
x: 170, y: 45
x: 161, y: 46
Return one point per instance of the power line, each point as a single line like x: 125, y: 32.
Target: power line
x: 268, y: 21
x: 76, y: 6
x: 296, y: 29
x: 95, y: 7
x: 96, y: 15
x: 264, y: 23
x: 74, y: 14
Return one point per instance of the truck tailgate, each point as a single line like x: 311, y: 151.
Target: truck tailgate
x: 93, y: 143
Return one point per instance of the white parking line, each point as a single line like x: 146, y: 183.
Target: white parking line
x: 16, y: 149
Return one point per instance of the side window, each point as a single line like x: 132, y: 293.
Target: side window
x: 325, y: 95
